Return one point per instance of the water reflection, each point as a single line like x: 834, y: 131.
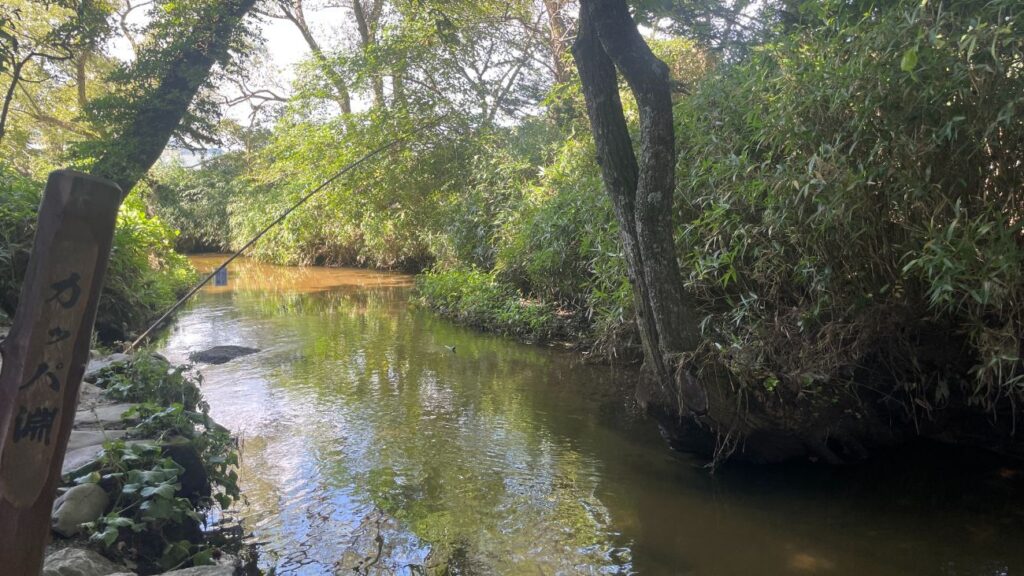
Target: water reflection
x: 527, y: 462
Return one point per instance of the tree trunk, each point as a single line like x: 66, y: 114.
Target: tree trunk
x: 715, y: 415
x: 5, y: 110
x: 640, y: 188
x: 295, y: 13
x: 557, y: 43
x: 157, y: 111
x: 366, y: 23
x: 80, y: 78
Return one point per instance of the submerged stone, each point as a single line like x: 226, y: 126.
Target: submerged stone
x: 221, y: 354
x: 381, y: 546
x: 203, y: 571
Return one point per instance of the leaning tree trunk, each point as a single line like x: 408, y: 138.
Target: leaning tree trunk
x: 153, y: 115
x: 641, y: 188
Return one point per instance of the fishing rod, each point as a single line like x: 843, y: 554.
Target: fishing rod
x: 348, y: 168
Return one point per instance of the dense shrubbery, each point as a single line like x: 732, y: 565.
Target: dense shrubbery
x: 479, y: 299
x: 19, y: 200
x: 145, y: 274
x: 853, y: 196
x: 146, y: 378
x: 196, y: 201
x: 848, y: 206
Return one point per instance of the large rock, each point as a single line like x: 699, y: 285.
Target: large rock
x: 90, y: 395
x: 203, y: 571
x: 83, y: 438
x: 194, y: 480
x: 108, y: 416
x: 75, y: 459
x: 81, y: 504
x: 100, y: 363
x: 79, y: 562
x: 221, y: 354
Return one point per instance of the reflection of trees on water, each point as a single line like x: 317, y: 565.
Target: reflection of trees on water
x: 247, y: 276
x: 530, y: 462
x: 458, y: 446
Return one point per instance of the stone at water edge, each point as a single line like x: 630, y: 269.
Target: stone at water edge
x: 80, y: 504
x: 80, y: 562
x: 221, y: 354
x: 194, y: 480
x: 83, y: 438
x: 76, y: 459
x: 103, y: 416
x: 100, y: 363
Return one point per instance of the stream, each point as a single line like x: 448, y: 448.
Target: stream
x: 508, y: 458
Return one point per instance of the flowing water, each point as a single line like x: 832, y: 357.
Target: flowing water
x: 515, y: 459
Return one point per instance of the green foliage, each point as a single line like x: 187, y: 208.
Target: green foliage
x: 144, y: 277
x: 478, y: 299
x: 852, y: 193
x: 19, y: 201
x: 213, y: 443
x: 160, y: 94
x: 154, y: 521
x: 195, y: 202
x: 149, y: 378
x: 149, y: 521
x: 536, y: 216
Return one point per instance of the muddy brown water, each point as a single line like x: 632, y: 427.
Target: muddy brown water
x: 526, y: 461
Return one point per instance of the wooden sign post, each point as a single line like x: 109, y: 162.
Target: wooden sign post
x: 45, y: 356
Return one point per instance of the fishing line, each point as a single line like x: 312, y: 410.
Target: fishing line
x: 348, y: 168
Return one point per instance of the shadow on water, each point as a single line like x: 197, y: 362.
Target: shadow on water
x: 522, y: 460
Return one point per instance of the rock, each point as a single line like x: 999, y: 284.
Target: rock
x: 89, y: 395
x: 79, y: 562
x: 107, y: 416
x: 77, y: 506
x: 221, y: 354
x: 83, y: 438
x: 380, y: 546
x: 76, y: 459
x: 194, y: 481
x: 98, y: 364
x: 203, y: 571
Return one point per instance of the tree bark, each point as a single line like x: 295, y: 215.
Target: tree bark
x: 557, y: 33
x: 81, y: 79
x: 294, y: 12
x: 158, y: 111
x: 5, y: 110
x: 641, y: 188
x: 366, y: 23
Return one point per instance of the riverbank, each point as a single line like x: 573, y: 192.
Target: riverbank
x: 145, y: 471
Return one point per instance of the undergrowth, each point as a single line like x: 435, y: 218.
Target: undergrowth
x: 162, y: 487
x: 145, y: 275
